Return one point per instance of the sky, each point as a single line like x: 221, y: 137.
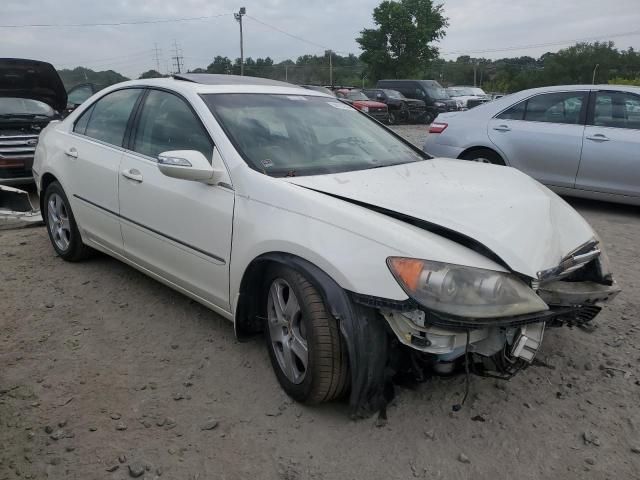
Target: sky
x: 482, y: 28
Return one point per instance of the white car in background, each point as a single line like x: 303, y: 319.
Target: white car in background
x: 468, y: 97
x: 581, y: 140
x: 289, y: 212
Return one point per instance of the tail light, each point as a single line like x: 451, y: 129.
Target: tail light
x: 438, y: 127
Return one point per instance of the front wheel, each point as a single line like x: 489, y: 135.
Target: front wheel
x: 307, y: 351
x: 428, y: 118
x: 61, y: 225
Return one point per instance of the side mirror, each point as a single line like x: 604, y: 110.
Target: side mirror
x: 188, y: 165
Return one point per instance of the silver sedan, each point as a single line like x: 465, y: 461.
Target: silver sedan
x: 579, y: 140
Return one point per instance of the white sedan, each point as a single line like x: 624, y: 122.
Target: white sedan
x: 579, y: 140
x: 293, y: 214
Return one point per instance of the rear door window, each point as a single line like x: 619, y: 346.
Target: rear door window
x: 108, y: 117
x: 561, y: 107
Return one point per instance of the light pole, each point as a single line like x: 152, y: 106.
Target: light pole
x: 238, y: 16
x: 593, y: 80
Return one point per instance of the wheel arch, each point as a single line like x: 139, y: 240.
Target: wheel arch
x: 483, y: 147
x: 248, y: 306
x: 47, y: 179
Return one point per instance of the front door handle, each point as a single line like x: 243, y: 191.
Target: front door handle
x: 71, y: 152
x: 598, y: 137
x: 502, y: 128
x: 132, y: 174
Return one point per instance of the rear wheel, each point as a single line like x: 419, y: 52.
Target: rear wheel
x: 483, y: 155
x: 307, y: 351
x: 61, y: 225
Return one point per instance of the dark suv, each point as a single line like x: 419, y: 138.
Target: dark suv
x: 436, y: 98
x: 31, y: 95
x: 401, y: 108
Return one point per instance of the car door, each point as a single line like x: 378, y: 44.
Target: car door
x: 542, y: 135
x: 93, y: 151
x: 611, y: 153
x: 177, y: 229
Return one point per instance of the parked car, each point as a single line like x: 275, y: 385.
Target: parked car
x: 401, y: 109
x: 436, y: 98
x: 293, y: 214
x: 319, y: 88
x: 467, y: 97
x: 578, y: 140
x: 360, y: 101
x: 78, y: 94
x: 31, y: 96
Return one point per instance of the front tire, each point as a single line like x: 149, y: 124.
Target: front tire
x: 307, y: 351
x: 61, y: 225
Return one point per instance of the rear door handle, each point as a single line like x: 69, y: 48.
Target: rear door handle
x: 71, y: 152
x: 502, y: 128
x: 132, y: 174
x: 598, y: 137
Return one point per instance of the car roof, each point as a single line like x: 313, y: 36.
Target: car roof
x: 204, y: 83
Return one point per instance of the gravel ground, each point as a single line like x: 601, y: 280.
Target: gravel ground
x: 105, y: 373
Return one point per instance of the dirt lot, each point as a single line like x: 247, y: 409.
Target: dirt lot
x: 105, y: 373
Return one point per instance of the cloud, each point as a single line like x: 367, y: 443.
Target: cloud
x: 474, y: 25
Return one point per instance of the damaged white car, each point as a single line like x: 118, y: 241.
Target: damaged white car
x: 293, y: 214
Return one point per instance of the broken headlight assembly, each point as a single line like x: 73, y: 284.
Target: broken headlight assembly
x: 464, y: 291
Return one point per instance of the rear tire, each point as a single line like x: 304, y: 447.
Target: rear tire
x: 303, y: 322
x: 483, y: 155
x: 428, y: 118
x: 61, y: 225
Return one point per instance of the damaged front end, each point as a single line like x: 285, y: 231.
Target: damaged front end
x: 16, y: 209
x: 493, y: 341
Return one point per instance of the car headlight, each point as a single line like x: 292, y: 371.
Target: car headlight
x: 460, y: 103
x: 365, y: 109
x: 439, y: 104
x: 464, y: 291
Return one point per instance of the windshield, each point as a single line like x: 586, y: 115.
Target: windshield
x: 437, y: 93
x: 24, y: 106
x: 282, y: 135
x: 394, y: 94
x: 356, y: 95
x: 460, y: 91
x: 478, y: 91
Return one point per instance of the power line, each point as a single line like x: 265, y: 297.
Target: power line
x: 272, y: 27
x: 113, y: 24
x: 105, y: 60
x: 540, y: 45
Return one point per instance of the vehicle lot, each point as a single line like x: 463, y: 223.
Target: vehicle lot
x: 119, y: 365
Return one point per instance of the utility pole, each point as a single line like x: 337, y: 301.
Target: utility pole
x: 593, y: 81
x: 330, y: 68
x: 177, y: 58
x: 286, y: 73
x: 157, y: 57
x: 238, y: 16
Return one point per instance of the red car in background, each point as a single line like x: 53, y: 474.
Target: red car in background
x: 360, y: 101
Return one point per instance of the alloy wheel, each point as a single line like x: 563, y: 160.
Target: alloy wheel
x: 58, y: 222
x: 287, y: 331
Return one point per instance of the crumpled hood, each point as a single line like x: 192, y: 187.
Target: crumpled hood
x: 525, y: 224
x: 22, y: 78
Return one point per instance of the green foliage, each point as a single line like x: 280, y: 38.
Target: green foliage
x: 151, y: 74
x: 635, y: 82
x: 401, y: 45
x: 78, y: 75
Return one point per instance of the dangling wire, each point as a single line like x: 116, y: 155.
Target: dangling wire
x: 458, y: 406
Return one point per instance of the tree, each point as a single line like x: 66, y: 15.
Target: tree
x: 220, y: 64
x: 151, y: 74
x: 401, y: 45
